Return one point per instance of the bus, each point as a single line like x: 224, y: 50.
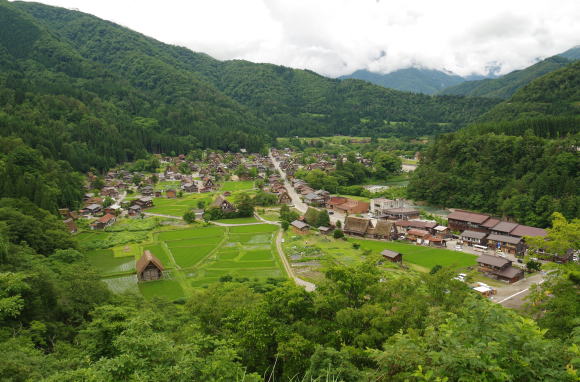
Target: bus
x: 480, y: 248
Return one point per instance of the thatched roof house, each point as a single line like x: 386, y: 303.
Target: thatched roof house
x: 149, y: 267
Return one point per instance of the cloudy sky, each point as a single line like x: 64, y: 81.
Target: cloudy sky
x: 336, y: 37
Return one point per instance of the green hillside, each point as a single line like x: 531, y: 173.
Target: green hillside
x: 506, y: 86
x: 555, y: 94
x: 522, y: 162
x: 416, y: 80
x: 284, y: 101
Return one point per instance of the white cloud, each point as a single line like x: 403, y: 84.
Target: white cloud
x: 336, y: 37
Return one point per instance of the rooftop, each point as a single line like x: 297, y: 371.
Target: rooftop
x: 468, y: 216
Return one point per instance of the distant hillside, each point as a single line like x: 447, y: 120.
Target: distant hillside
x: 192, y: 94
x: 414, y: 80
x: 572, y: 54
x: 554, y: 94
x: 521, y: 161
x: 505, y: 86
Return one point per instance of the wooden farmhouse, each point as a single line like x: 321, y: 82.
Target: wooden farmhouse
x: 392, y: 256
x: 148, y: 267
x: 223, y: 204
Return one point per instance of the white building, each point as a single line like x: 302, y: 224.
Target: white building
x: 379, y: 205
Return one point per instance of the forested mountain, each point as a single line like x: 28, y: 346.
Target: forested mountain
x: 522, y: 162
x: 416, y: 80
x: 211, y: 96
x: 506, y: 86
x: 555, y: 94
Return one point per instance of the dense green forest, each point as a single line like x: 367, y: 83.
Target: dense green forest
x: 506, y: 86
x: 58, y: 322
x: 522, y: 162
x: 150, y: 93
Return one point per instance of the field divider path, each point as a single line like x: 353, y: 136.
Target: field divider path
x: 216, y: 249
x: 310, y: 287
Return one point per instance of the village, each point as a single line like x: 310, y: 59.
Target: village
x: 209, y: 188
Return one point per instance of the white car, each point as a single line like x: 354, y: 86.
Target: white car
x: 458, y: 247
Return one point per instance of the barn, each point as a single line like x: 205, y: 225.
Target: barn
x: 149, y: 267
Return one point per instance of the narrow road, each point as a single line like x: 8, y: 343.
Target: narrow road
x: 162, y: 216
x: 513, y: 295
x: 310, y: 287
x: 298, y: 203
x: 296, y: 200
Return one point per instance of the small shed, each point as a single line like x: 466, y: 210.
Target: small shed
x: 325, y: 230
x: 300, y: 226
x: 392, y: 256
x: 149, y: 267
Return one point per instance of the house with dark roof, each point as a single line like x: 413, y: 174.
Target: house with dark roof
x: 473, y: 237
x: 460, y: 220
x: 148, y: 267
x: 499, y: 268
x: 299, y: 226
x: 401, y: 213
x: 392, y: 256
x: 503, y: 228
x: 505, y: 243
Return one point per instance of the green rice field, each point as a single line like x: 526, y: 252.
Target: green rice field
x: 237, y: 186
x: 192, y: 257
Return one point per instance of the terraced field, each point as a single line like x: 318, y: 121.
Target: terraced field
x: 192, y: 257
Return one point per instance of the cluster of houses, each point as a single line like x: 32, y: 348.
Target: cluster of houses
x: 486, y: 231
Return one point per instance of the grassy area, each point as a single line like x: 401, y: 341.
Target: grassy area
x: 426, y: 257
x: 254, y: 228
x: 250, y: 219
x: 192, y: 257
x: 237, y: 186
x: 312, y: 254
x: 179, y: 206
x: 107, y: 264
x: 170, y: 289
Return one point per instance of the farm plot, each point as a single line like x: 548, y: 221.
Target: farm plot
x: 158, y: 251
x: 426, y: 257
x: 197, y: 232
x: 122, y: 284
x: 237, y: 186
x: 107, y: 264
x: 248, y: 253
x: 170, y: 289
x: 187, y: 257
x: 179, y: 206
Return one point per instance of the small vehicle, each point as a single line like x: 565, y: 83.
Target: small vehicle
x: 458, y: 248
x: 331, y: 212
x: 520, y: 261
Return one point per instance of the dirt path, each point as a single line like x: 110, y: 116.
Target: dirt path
x: 163, y: 216
x: 307, y: 285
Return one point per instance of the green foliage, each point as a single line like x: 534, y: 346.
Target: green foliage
x: 288, y: 215
x: 189, y: 217
x: 338, y: 234
x: 285, y: 225
x: 528, y: 177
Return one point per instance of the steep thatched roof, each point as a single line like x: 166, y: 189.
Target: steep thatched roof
x: 145, y: 260
x: 383, y: 228
x: 356, y: 225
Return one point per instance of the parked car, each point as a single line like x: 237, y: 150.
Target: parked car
x: 331, y: 212
x: 458, y: 248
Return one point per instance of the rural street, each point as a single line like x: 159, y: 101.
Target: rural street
x: 513, y: 295
x: 296, y: 200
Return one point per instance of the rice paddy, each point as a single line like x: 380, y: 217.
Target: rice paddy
x: 192, y: 257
